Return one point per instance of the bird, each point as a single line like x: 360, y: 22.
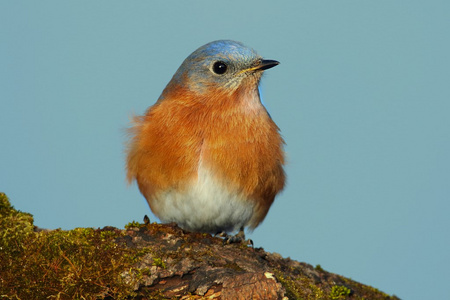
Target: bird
x: 207, y: 155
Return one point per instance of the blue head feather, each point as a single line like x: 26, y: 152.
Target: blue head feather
x: 196, y: 72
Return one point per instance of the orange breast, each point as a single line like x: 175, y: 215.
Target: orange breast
x: 232, y: 134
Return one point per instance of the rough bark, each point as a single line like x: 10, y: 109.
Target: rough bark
x: 194, y: 265
x: 152, y: 261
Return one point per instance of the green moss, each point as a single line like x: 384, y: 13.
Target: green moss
x: 133, y: 224
x: 319, y: 268
x: 316, y: 292
x: 15, y: 226
x: 339, y: 292
x: 82, y: 263
x: 159, y: 263
x: 292, y: 290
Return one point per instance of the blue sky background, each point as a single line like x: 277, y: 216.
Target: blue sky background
x: 362, y: 96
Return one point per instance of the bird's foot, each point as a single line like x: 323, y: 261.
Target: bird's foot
x: 234, y: 239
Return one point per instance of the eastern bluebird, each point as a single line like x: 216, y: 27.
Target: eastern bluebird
x: 207, y: 154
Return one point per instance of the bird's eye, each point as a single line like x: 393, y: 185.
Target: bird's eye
x: 219, y: 67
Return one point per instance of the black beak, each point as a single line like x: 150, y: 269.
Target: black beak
x: 267, y: 64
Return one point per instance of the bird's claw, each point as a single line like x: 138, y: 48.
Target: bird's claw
x: 234, y: 239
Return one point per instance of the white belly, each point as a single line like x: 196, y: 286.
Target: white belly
x: 205, y: 206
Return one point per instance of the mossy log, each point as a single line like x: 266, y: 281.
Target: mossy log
x: 152, y: 261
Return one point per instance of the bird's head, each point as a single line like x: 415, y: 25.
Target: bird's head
x: 223, y: 65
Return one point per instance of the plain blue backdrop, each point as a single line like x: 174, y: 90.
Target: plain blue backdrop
x: 362, y: 97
